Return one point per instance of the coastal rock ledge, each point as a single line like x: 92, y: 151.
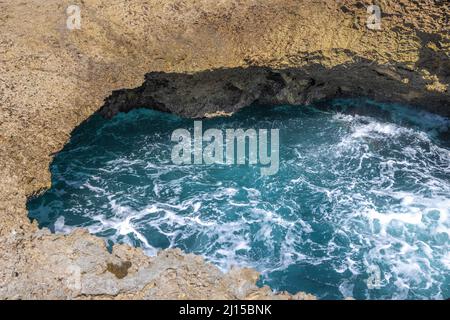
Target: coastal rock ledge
x: 196, y: 58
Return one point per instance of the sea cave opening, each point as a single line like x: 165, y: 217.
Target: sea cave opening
x: 359, y: 205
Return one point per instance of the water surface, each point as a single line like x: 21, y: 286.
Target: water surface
x: 360, y: 205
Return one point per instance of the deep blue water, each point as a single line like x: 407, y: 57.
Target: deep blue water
x: 357, y: 197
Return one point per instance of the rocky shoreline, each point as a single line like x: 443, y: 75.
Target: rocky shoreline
x: 200, y: 58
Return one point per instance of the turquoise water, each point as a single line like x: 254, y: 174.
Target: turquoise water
x: 360, y: 205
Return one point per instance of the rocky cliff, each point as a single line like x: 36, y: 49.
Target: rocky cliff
x: 173, y: 55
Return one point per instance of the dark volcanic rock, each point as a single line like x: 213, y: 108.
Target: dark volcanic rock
x: 219, y: 91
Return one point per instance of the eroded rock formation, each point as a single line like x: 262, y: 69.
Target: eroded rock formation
x: 210, y: 92
x: 53, y: 78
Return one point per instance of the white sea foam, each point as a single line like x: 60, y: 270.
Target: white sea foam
x: 375, y: 196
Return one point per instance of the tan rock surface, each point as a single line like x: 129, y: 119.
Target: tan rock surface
x: 52, y: 78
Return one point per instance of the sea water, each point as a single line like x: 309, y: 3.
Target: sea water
x: 359, y: 207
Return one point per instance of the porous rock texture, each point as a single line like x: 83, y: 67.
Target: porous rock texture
x: 273, y: 51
